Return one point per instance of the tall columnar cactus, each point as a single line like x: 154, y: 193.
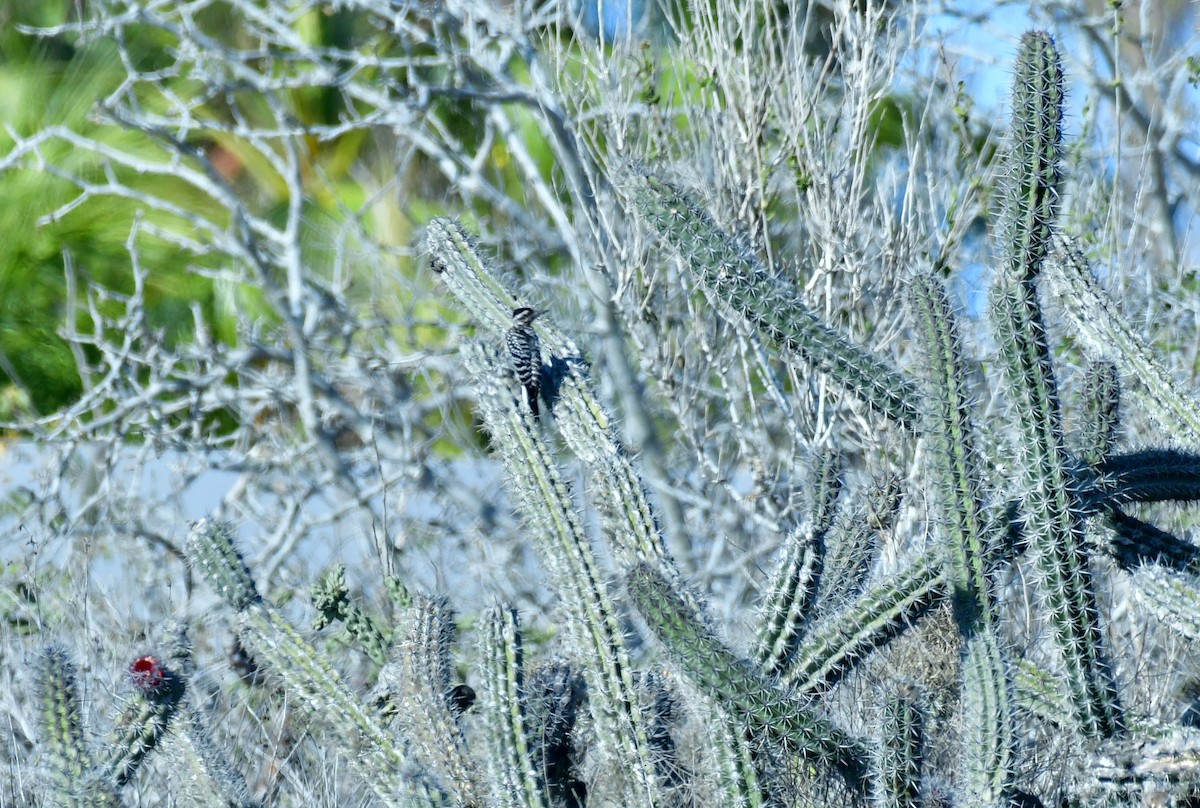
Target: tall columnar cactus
x: 517, y: 776
x: 838, y: 642
x: 578, y: 416
x: 790, y: 598
x: 426, y: 715
x: 1051, y: 521
x: 542, y: 496
x: 989, y: 734
x: 969, y: 537
x: 968, y: 534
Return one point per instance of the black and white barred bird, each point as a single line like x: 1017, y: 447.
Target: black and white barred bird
x: 525, y: 354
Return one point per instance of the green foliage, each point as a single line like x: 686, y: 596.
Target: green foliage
x: 50, y: 83
x: 83, y: 219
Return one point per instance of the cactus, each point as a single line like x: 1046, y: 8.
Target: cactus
x: 1101, y: 412
x: 73, y: 778
x: 1106, y: 335
x: 1052, y: 522
x: 740, y: 286
x: 969, y: 537
x: 382, y: 760
x: 989, y: 735
x: 426, y: 716
x: 885, y: 609
x: 734, y: 685
x: 896, y: 771
x: 1172, y: 597
x: 546, y: 503
x: 598, y: 722
x: 516, y: 776
x: 1132, y: 543
x: 1155, y: 475
x: 332, y: 601
x: 158, y: 692
x: 790, y: 599
x: 851, y: 550
x: 160, y: 707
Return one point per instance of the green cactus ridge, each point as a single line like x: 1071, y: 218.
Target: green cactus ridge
x: 896, y: 773
x: 332, y: 601
x: 832, y: 647
x: 72, y: 776
x: 826, y: 476
x: 422, y: 654
x: 789, y: 599
x: 210, y: 550
x: 851, y: 550
x: 1172, y: 597
x: 1101, y: 419
x: 210, y: 765
x: 143, y: 721
x: 738, y: 776
x: 822, y: 565
x: 989, y: 738
x: 1036, y: 690
x: 516, y: 773
x: 1034, y: 172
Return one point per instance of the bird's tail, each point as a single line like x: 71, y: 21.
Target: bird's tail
x: 531, y: 395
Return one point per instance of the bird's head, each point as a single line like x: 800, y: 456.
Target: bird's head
x: 525, y: 315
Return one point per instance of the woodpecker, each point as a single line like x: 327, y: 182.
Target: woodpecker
x: 524, y: 353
